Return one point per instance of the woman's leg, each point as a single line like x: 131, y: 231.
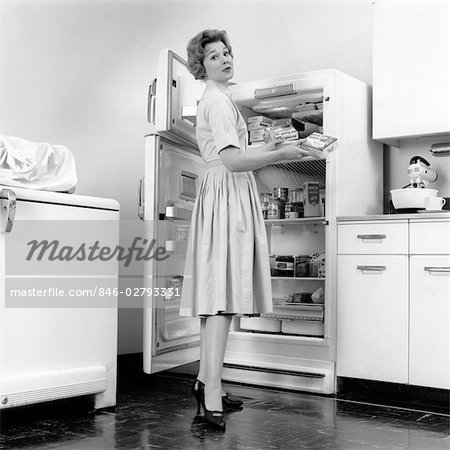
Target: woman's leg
x: 215, y: 339
x: 202, y: 365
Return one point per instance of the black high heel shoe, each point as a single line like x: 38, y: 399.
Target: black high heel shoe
x: 196, y: 388
x: 230, y: 403
x: 214, y: 418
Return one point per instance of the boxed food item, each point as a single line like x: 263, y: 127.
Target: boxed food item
x: 257, y: 135
x: 256, y: 126
x: 318, y: 144
x: 304, y: 128
x: 311, y: 205
x: 282, y: 122
x: 260, y: 120
x: 282, y: 134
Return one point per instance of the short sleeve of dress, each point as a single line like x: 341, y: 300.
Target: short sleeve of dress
x: 222, y: 117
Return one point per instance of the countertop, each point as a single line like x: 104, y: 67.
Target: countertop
x: 425, y: 215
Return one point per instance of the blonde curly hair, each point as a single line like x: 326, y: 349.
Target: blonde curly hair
x: 196, y: 50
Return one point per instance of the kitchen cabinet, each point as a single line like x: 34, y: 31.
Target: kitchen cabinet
x: 372, y: 312
x: 393, y: 309
x: 429, y: 348
x: 411, y: 69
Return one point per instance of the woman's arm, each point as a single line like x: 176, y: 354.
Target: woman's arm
x: 235, y: 160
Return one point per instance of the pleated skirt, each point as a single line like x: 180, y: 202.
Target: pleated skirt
x: 227, y: 263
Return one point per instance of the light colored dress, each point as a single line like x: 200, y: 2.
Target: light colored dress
x: 227, y: 264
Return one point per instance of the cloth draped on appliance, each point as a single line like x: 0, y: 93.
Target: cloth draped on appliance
x: 40, y: 166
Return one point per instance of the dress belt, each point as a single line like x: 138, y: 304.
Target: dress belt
x: 214, y: 163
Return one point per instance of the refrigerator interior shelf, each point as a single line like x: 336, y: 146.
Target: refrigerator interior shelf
x: 287, y: 316
x: 300, y: 221
x: 308, y: 166
x: 299, y: 278
x: 311, y: 313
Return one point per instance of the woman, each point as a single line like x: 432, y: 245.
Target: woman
x: 227, y: 268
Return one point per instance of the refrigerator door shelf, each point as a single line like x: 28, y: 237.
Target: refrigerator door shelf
x: 178, y: 213
x: 177, y: 94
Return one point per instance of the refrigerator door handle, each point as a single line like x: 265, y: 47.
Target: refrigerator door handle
x: 151, y: 103
x: 140, y: 200
x: 8, y: 207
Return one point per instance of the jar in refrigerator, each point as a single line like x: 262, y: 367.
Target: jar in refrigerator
x: 284, y: 266
x: 302, y: 266
x: 288, y: 213
x: 265, y: 198
x: 281, y: 192
x: 297, y: 209
x: 296, y: 195
x: 275, y: 209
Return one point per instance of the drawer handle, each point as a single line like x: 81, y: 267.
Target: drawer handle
x: 371, y: 236
x: 371, y: 268
x: 437, y: 269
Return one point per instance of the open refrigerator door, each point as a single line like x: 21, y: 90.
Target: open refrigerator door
x: 173, y: 176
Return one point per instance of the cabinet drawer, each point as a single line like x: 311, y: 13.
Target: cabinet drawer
x: 428, y: 238
x: 373, y: 238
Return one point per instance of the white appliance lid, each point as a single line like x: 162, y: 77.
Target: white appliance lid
x: 59, y: 198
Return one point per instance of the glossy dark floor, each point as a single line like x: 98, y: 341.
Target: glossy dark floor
x: 159, y: 412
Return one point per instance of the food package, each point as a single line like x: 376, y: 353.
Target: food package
x: 317, y: 265
x: 311, y: 205
x: 286, y: 122
x: 282, y: 134
x: 256, y: 126
x: 318, y: 296
x: 257, y: 135
x: 260, y: 120
x: 318, y: 144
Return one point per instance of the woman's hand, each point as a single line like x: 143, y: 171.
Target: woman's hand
x: 293, y: 151
x: 269, y: 140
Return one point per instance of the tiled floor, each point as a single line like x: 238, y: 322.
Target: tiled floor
x: 159, y: 412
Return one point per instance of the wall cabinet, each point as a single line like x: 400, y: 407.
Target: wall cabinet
x: 393, y: 310
x: 411, y: 69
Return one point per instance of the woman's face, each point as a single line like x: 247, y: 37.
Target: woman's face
x: 218, y: 62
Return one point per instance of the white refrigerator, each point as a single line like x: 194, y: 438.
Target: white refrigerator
x: 293, y: 347
x: 58, y: 325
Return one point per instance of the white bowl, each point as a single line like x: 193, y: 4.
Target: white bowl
x: 411, y: 197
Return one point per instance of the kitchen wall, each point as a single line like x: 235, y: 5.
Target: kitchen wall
x: 77, y: 72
